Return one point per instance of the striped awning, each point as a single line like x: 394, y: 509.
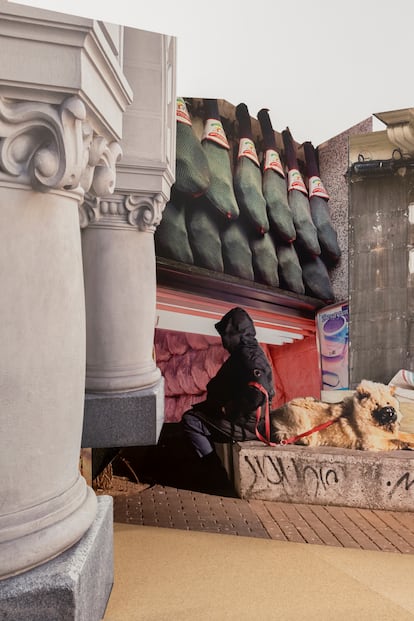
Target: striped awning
x: 187, y: 312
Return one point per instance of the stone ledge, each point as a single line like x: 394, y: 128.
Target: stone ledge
x: 75, y: 586
x: 327, y: 476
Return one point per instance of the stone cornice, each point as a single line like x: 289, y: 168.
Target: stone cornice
x: 133, y: 211
x: 372, y: 146
x: 400, y: 128
x: 63, y: 54
x: 144, y: 176
x: 54, y: 147
x: 395, y: 141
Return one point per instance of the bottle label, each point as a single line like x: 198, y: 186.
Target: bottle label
x: 272, y: 161
x: 247, y: 149
x: 213, y: 130
x: 182, y: 113
x: 295, y: 181
x: 316, y: 188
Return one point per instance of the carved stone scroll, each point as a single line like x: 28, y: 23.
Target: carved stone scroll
x: 402, y: 135
x: 145, y: 212
x: 54, y: 147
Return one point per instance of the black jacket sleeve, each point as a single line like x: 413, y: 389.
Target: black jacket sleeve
x: 230, y: 388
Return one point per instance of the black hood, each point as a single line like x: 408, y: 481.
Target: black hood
x: 236, y: 328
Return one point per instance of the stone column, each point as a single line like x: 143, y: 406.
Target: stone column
x: 45, y: 506
x: 63, y: 94
x: 119, y: 268
x: 124, y: 403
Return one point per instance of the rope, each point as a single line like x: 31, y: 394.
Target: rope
x: 291, y: 440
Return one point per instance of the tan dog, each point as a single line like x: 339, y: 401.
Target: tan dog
x: 368, y: 420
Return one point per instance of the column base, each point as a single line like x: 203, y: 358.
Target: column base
x: 75, y: 586
x: 46, y: 530
x: 124, y: 419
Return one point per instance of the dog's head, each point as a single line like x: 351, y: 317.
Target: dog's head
x: 377, y: 404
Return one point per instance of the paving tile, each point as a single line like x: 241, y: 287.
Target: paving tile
x: 361, y: 529
x: 392, y: 519
x: 326, y: 517
x: 358, y: 539
x: 405, y: 518
x: 286, y: 525
x: 294, y: 516
x: 169, y: 507
x: 272, y: 527
x: 363, y: 518
x: 315, y: 523
x: 394, y: 539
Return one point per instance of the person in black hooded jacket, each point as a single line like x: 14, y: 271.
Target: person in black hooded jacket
x: 229, y: 411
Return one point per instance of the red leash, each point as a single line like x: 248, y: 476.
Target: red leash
x: 291, y: 440
x: 266, y: 414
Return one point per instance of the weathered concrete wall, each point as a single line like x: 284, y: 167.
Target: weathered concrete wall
x: 328, y: 476
x: 380, y: 283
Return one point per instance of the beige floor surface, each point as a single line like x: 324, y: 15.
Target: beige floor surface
x: 164, y: 574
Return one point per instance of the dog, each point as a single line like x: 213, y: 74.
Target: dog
x: 367, y: 420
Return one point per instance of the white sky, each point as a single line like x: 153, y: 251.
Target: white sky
x: 319, y: 66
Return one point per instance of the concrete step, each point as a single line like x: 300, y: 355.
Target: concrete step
x: 325, y: 476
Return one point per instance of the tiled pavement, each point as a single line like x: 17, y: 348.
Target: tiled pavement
x: 170, y: 507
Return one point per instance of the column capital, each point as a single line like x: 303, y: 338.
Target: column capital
x: 53, y: 147
x: 145, y: 211
x: 140, y: 211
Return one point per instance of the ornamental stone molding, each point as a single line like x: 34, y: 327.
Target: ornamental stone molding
x: 402, y: 135
x: 100, y: 171
x: 145, y: 212
x: 53, y: 147
x: 141, y: 211
x: 42, y: 145
x: 89, y: 210
x: 400, y: 129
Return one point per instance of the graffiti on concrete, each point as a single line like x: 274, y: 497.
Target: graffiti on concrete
x: 404, y: 483
x: 318, y: 479
x: 313, y: 480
